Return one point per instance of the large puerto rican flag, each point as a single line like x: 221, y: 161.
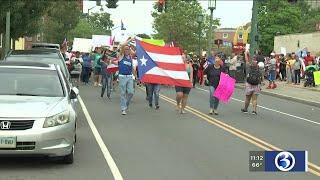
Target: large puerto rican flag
x: 161, y: 65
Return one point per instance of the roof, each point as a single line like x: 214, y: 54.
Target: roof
x: 31, y: 64
x: 226, y: 30
x: 34, y: 51
x: 45, y: 45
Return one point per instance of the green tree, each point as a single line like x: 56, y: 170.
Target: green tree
x: 25, y: 17
x: 61, y: 17
x: 85, y: 29
x: 101, y: 22
x: 274, y: 17
x: 178, y: 23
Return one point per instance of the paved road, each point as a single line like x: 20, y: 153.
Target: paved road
x: 150, y: 144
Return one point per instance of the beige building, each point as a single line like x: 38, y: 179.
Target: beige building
x: 314, y: 3
x: 295, y: 42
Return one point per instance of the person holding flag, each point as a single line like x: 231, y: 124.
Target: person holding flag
x: 126, y: 75
x: 183, y: 92
x: 164, y: 65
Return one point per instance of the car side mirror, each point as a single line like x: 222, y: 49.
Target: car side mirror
x: 74, y: 93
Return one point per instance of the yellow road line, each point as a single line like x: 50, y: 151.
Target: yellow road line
x: 312, y: 168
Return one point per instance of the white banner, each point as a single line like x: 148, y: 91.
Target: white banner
x: 82, y: 45
x: 101, y: 40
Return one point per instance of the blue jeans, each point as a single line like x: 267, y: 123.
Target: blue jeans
x: 153, y: 92
x: 85, y: 74
x: 106, y: 84
x: 214, y: 102
x: 126, y: 91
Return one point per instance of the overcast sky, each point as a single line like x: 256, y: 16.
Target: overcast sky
x: 137, y: 17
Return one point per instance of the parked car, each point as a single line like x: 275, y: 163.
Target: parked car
x: 45, y: 46
x: 36, y: 113
x: 47, y: 56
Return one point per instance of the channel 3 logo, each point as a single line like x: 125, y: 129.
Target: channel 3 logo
x: 285, y: 161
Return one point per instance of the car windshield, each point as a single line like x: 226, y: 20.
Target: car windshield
x: 30, y: 82
x: 43, y: 58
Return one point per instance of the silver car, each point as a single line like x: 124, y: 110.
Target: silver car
x: 36, y: 113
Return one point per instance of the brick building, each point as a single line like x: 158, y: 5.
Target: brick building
x: 226, y: 35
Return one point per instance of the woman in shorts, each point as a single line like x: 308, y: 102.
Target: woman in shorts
x: 252, y: 91
x: 183, y: 92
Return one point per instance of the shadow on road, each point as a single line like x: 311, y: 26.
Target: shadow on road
x: 8, y: 163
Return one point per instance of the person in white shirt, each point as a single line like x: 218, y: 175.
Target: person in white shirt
x: 233, y: 65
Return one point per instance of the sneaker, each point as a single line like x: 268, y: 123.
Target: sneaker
x: 157, y: 107
x: 123, y: 112
x: 182, y: 111
x: 211, y: 111
x: 100, y: 85
x: 150, y: 105
x: 244, y: 111
x: 254, y: 112
x: 215, y: 112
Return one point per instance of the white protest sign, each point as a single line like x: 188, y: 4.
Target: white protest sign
x: 82, y: 45
x: 101, y: 40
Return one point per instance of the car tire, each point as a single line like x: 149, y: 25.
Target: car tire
x: 68, y: 159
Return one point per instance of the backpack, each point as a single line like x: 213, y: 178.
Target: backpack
x: 254, y: 76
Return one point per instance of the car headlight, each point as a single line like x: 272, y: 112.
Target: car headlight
x: 56, y: 120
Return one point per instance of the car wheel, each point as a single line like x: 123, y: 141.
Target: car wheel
x: 68, y: 159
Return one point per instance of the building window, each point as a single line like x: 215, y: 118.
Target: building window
x: 240, y: 36
x: 225, y: 35
x: 0, y: 40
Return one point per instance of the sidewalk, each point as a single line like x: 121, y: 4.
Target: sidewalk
x: 297, y: 93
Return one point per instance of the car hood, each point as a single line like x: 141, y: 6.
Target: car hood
x: 31, y: 106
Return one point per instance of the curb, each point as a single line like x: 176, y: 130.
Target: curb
x: 281, y: 96
x: 309, y: 89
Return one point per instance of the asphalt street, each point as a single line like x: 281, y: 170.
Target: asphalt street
x: 149, y: 144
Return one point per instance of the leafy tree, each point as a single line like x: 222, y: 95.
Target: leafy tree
x: 61, y: 17
x: 283, y: 17
x: 84, y: 29
x: 101, y: 22
x: 178, y: 23
x: 25, y: 17
x: 277, y: 16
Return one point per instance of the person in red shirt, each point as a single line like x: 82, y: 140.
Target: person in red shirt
x: 308, y: 60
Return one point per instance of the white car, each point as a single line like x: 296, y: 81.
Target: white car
x: 36, y: 111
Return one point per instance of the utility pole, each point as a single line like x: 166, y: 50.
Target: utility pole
x: 211, y: 6
x: 254, y: 30
x: 7, y: 43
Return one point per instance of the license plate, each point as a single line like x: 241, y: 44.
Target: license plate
x: 8, y: 142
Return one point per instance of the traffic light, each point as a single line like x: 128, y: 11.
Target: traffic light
x: 98, y: 2
x: 161, y: 5
x: 112, y: 3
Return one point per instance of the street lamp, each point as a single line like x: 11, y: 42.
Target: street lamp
x: 211, y: 6
x: 199, y: 21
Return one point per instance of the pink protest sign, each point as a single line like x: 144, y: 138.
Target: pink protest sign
x: 225, y: 88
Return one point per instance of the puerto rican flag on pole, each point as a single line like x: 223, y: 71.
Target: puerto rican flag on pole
x: 161, y: 65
